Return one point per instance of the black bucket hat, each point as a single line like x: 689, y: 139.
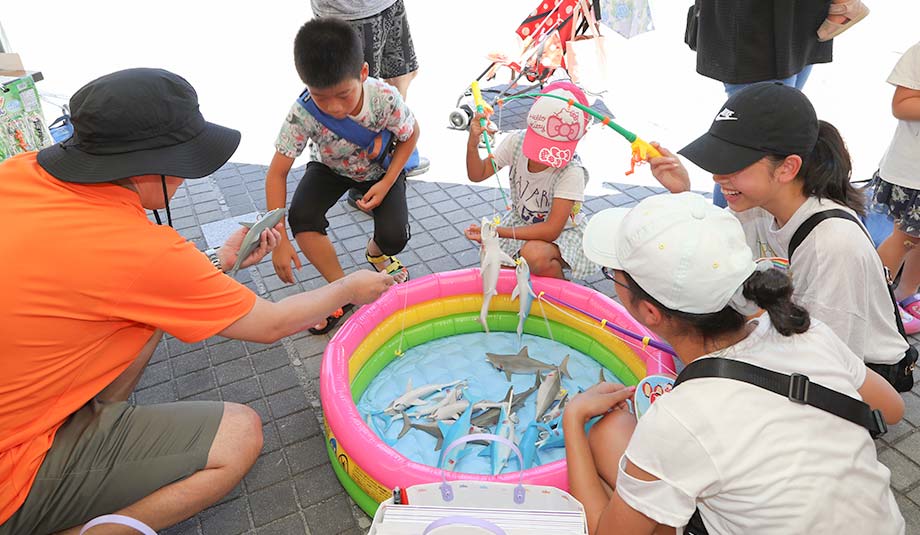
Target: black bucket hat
x: 138, y: 122
x: 762, y: 119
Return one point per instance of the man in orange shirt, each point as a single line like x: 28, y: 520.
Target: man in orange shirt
x: 89, y: 285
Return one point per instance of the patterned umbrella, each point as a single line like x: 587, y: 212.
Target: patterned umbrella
x: 627, y: 17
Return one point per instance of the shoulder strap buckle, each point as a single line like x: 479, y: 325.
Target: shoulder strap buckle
x: 798, y: 388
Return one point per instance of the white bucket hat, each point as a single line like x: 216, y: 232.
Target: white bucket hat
x: 689, y: 255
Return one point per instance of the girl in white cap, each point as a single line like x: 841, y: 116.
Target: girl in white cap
x: 747, y: 459
x: 780, y: 168
x: 545, y: 224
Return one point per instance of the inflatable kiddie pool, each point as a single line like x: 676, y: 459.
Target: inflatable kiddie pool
x: 446, y: 304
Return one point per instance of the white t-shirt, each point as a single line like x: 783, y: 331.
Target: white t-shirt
x: 901, y: 163
x: 837, y: 275
x: 755, y: 462
x: 533, y: 193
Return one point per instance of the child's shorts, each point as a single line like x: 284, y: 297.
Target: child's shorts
x: 320, y: 188
x: 897, y: 202
x: 569, y: 243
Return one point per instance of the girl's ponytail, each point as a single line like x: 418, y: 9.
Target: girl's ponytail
x: 771, y: 290
x: 826, y: 171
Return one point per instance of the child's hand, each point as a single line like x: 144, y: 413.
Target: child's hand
x: 373, y: 197
x: 476, y: 129
x: 597, y: 400
x: 669, y: 171
x: 282, y: 257
x: 474, y: 233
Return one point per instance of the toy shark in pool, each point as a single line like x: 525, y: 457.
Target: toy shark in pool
x: 522, y: 363
x: 556, y: 411
x: 251, y: 240
x: 524, y: 290
x: 504, y: 428
x: 491, y: 258
x: 451, y: 432
x: 549, y: 391
x: 451, y: 395
x: 414, y: 396
x: 490, y: 416
x: 528, y: 445
x: 435, y: 431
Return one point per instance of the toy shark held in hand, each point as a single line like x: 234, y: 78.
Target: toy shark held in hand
x: 524, y: 290
x: 251, y: 240
x: 491, y: 258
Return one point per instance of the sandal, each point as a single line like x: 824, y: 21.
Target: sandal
x: 911, y: 322
x: 393, y: 268
x: 853, y: 10
x: 333, y: 320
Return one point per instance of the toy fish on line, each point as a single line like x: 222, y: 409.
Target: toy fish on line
x: 491, y: 258
x: 251, y: 239
x: 524, y: 290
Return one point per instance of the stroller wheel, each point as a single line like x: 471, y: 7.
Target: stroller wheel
x: 460, y: 118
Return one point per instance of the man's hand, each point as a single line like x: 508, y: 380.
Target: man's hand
x: 228, y: 252
x: 365, y: 286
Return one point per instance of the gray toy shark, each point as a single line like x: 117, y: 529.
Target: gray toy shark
x: 251, y: 240
x: 522, y: 363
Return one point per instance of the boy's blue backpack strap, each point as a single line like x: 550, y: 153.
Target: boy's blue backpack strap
x: 376, y: 144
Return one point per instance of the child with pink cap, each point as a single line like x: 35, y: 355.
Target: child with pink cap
x: 545, y: 225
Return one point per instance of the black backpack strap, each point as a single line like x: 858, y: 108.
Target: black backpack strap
x: 809, y: 224
x: 796, y: 387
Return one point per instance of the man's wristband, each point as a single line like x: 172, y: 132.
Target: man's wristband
x: 211, y: 253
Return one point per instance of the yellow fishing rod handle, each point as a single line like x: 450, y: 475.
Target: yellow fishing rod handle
x: 477, y: 96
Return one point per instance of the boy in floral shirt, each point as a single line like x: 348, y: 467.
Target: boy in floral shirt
x: 329, y: 58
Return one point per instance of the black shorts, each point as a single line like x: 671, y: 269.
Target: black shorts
x: 388, y: 48
x: 321, y: 187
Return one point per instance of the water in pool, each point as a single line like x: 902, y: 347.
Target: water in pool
x: 463, y: 358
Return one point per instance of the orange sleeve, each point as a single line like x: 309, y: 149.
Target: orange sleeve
x: 181, y: 293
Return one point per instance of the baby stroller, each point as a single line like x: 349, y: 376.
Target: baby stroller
x: 544, y: 34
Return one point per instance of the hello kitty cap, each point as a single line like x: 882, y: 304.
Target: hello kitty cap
x: 554, y: 127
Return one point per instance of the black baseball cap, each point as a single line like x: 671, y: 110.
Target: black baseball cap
x: 138, y: 122
x: 759, y: 120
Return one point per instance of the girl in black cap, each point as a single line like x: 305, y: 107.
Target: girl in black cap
x: 778, y: 166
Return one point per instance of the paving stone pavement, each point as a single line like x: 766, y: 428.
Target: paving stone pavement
x: 292, y: 488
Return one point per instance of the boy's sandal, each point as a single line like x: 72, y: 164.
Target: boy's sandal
x: 394, y: 267
x: 853, y: 10
x: 911, y: 305
x: 332, y: 320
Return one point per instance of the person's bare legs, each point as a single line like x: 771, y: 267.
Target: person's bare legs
x: 543, y: 258
x: 895, y: 250
x: 910, y: 276
x: 608, y: 439
x: 123, y: 385
x: 235, y: 449
x: 401, y: 83
x: 321, y: 253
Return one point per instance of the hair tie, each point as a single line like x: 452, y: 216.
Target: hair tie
x: 741, y: 303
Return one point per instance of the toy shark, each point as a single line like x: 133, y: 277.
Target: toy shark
x: 522, y: 363
x: 451, y: 433
x: 435, y: 431
x: 556, y: 411
x: 528, y: 445
x: 524, y: 290
x: 251, y: 239
x: 491, y: 258
x: 415, y: 396
x: 549, y: 391
x: 490, y: 416
x: 504, y: 428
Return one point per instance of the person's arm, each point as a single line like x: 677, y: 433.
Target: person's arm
x: 401, y: 153
x: 268, y: 322
x: 905, y: 105
x: 276, y: 197
x: 548, y: 230
x: 477, y: 168
x: 879, y: 394
x: 669, y: 171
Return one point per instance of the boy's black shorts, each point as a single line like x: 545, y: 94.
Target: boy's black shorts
x: 321, y: 187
